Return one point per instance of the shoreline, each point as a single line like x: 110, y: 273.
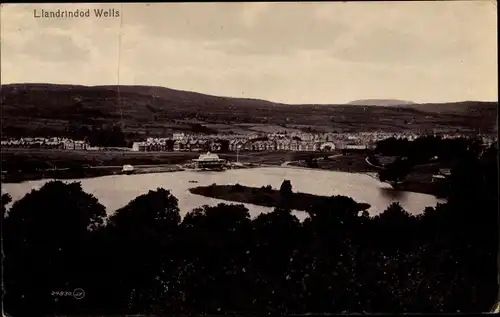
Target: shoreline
x: 91, y: 172
x: 81, y: 165
x: 101, y: 171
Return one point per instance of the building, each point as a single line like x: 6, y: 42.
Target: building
x: 216, y: 147
x: 193, y: 145
x: 327, y: 146
x: 247, y: 146
x: 445, y: 172
x: 180, y: 145
x: 283, y: 145
x: 139, y: 147
x: 75, y: 145
x: 234, y: 145
x: 355, y: 147
x: 178, y: 136
x: 209, y: 161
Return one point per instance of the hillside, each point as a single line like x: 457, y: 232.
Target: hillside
x: 29, y: 109
x: 380, y: 102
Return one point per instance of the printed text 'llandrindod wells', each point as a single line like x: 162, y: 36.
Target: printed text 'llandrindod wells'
x: 78, y: 13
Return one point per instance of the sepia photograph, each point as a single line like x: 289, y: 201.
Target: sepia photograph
x: 284, y: 158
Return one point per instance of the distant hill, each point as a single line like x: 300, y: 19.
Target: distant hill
x: 380, y: 102
x: 40, y: 109
x: 458, y: 108
x: 468, y: 108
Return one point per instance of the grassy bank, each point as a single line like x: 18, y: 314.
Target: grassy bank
x: 350, y: 163
x: 77, y: 173
x: 267, y: 197
x: 22, y: 159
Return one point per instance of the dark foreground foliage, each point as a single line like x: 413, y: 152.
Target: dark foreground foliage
x: 146, y: 259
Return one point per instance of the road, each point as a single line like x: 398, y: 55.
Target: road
x: 287, y: 163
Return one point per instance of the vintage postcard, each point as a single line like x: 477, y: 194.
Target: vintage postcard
x: 249, y: 158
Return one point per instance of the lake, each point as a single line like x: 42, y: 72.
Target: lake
x: 117, y: 190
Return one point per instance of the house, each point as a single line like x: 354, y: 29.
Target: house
x: 203, y: 145
x: 327, y: 146
x: 247, y: 146
x: 180, y: 145
x: 139, y: 146
x: 307, y: 146
x: 215, y: 147
x: 316, y: 146
x: 178, y: 136
x: 301, y: 146
x: 283, y: 145
x: 75, y: 145
x: 261, y: 145
x: 445, y: 172
x: 270, y: 146
x: 193, y: 145
x: 236, y: 144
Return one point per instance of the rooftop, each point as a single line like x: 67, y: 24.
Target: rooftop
x: 208, y: 157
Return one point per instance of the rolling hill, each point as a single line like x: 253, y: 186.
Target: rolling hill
x: 29, y: 109
x: 380, y: 102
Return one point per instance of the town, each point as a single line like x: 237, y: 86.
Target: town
x: 278, y: 141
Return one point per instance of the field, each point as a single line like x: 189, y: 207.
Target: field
x: 12, y: 158
x: 350, y: 163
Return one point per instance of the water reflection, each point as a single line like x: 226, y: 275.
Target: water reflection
x: 391, y: 193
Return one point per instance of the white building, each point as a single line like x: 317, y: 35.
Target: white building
x: 209, y: 161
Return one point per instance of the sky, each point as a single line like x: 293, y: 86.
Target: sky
x: 336, y: 52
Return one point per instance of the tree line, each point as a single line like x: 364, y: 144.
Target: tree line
x: 145, y: 258
x: 423, y: 150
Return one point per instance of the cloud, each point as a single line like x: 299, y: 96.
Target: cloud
x: 290, y: 52
x: 252, y: 11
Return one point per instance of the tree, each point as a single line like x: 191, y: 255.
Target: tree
x: 311, y: 162
x: 286, y: 196
x: 6, y: 199
x: 395, y: 222
x: 286, y: 188
x: 153, y: 213
x: 144, y: 234
x: 46, y: 240
x: 396, y: 171
x: 170, y: 145
x: 275, y: 258
x: 215, y: 242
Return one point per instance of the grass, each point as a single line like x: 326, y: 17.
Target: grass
x: 68, y: 158
x: 350, y: 163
